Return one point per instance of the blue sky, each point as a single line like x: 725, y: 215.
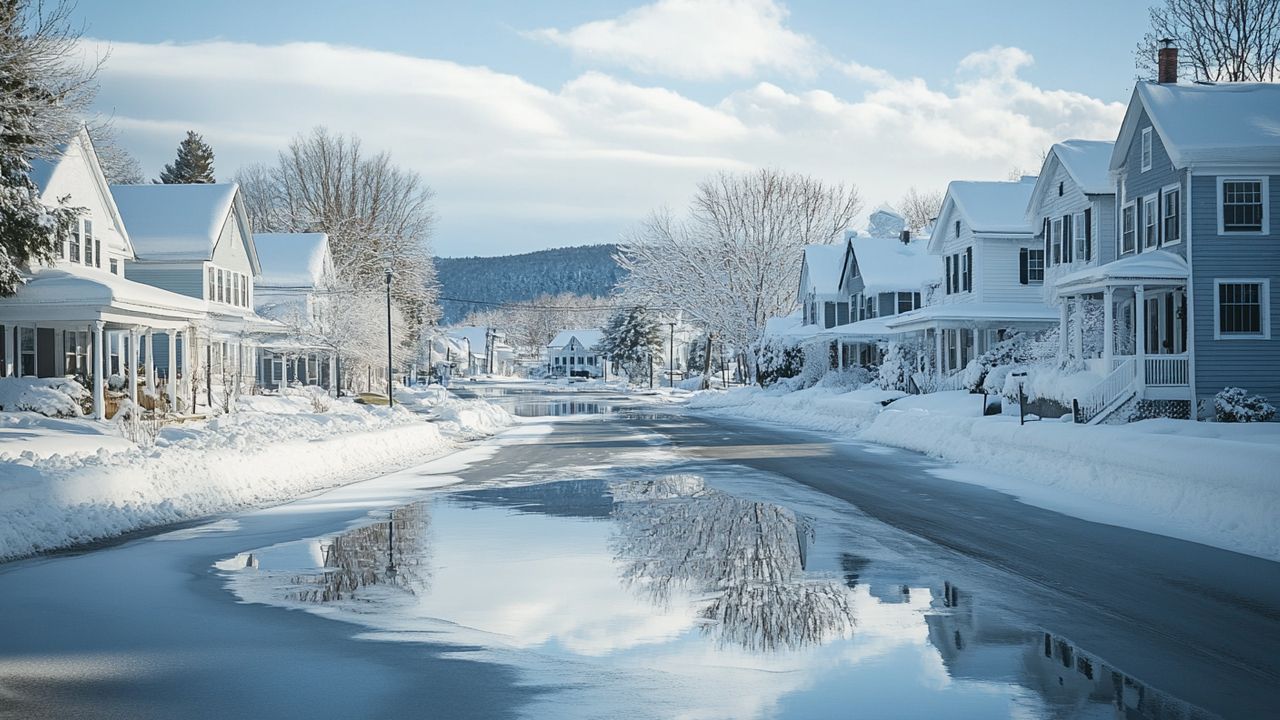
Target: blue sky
x: 542, y: 124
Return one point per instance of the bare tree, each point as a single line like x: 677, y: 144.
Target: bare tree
x: 530, y: 325
x: 118, y: 164
x: 735, y: 261
x: 920, y: 207
x: 1218, y: 40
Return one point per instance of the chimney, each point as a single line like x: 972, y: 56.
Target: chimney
x: 905, y: 237
x: 1168, y: 62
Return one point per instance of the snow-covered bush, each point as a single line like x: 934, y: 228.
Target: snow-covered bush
x: 1046, y: 381
x: 777, y: 359
x: 817, y: 362
x: 115, y: 381
x: 901, y: 360
x: 53, y: 397
x: 849, y: 378
x: 1235, y: 404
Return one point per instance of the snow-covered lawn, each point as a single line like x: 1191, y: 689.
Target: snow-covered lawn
x: 64, y: 482
x: 1213, y: 483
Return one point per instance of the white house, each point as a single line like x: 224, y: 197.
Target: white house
x: 296, y: 269
x: 984, y: 239
x: 81, y: 316
x: 489, y: 352
x: 572, y: 353
x: 819, y: 292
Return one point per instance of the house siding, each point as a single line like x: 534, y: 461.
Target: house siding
x: 957, y: 244
x: 187, y: 280
x: 1136, y: 184
x: 1074, y: 200
x: 998, y: 260
x: 1250, y: 364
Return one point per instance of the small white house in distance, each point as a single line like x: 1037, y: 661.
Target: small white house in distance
x: 489, y: 353
x: 296, y: 267
x: 572, y: 353
x: 80, y: 317
x: 819, y: 291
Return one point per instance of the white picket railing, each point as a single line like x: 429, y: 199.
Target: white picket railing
x: 929, y: 383
x: 1168, y: 370
x: 1112, y: 388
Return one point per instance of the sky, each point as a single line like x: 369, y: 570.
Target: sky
x: 543, y: 124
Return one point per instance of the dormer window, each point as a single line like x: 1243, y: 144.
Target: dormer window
x: 957, y: 228
x: 1060, y: 188
x: 74, y: 250
x: 1146, y: 149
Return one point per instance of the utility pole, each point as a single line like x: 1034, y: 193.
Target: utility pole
x: 671, y: 356
x: 391, y: 401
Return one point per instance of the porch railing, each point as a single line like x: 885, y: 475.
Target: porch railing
x: 1168, y: 370
x: 930, y: 383
x: 1112, y: 388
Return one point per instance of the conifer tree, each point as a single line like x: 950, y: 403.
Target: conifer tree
x: 631, y: 338
x: 194, y: 163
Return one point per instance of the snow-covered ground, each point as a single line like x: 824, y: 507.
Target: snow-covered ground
x: 64, y: 482
x: 1213, y: 483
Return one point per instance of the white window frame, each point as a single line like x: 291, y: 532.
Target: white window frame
x: 1264, y: 303
x: 1056, y: 234
x: 1150, y: 221
x: 1133, y: 208
x: 1032, y: 280
x: 1079, y: 237
x: 1266, y: 205
x: 1164, y: 198
x: 1146, y: 151
x: 966, y: 272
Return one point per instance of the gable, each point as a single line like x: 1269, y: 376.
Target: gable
x: 76, y: 175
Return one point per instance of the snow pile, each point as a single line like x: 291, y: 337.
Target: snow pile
x: 52, y: 397
x: 274, y: 450
x: 457, y: 418
x: 814, y: 408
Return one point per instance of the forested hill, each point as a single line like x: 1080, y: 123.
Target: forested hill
x: 583, y: 270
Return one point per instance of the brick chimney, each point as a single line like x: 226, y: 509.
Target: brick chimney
x: 1168, y: 62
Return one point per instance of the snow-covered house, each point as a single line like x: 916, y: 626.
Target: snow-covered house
x: 81, y: 316
x: 819, y: 291
x: 573, y: 353
x: 1073, y: 208
x: 296, y: 268
x: 195, y: 240
x: 983, y: 236
x: 488, y: 350
x: 1188, y: 303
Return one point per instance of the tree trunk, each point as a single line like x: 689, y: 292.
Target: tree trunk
x: 706, y: 365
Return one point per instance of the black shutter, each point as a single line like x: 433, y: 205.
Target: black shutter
x: 1066, y: 239
x: 1088, y: 234
x: 1022, y: 265
x: 1048, y: 256
x: 1159, y: 218
x: 968, y: 273
x: 948, y: 262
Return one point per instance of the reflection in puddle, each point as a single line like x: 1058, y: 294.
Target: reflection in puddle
x: 562, y: 408
x: 702, y: 602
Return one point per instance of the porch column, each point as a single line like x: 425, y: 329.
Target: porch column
x: 1063, y: 311
x: 9, y: 349
x: 151, y: 362
x: 1077, y: 335
x: 99, y: 379
x: 333, y: 374
x: 974, y: 354
x: 173, y: 370
x: 937, y: 349
x: 131, y: 357
x: 1140, y: 335
x: 1108, y: 329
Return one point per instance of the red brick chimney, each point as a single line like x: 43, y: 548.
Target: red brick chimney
x: 1168, y: 62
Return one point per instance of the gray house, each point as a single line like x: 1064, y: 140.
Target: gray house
x: 1188, y: 300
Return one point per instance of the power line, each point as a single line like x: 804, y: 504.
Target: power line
x: 530, y: 306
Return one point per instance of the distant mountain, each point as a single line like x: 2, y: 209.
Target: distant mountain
x: 583, y: 270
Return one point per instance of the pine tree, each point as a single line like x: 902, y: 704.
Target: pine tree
x: 631, y: 338
x: 194, y: 164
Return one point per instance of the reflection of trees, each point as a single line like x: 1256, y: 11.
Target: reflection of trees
x: 675, y: 533
x: 392, y: 553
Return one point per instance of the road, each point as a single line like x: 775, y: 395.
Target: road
x: 147, y: 627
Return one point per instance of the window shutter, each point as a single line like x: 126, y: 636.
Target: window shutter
x: 1088, y: 234
x: 1048, y: 256
x: 1022, y: 266
x: 1159, y: 218
x: 948, y: 262
x: 1066, y: 239
x: 968, y: 273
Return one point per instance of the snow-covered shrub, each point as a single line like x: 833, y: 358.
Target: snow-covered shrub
x: 1018, y: 349
x: 816, y: 364
x: 1235, y: 404
x: 901, y: 360
x: 776, y: 360
x: 115, y: 381
x: 849, y: 378
x: 52, y: 397
x: 1048, y: 381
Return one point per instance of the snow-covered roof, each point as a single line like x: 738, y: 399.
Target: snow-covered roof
x: 1230, y: 123
x: 291, y: 259
x: 822, y: 267
x: 990, y: 312
x: 55, y: 289
x: 1088, y: 162
x: 870, y: 329
x: 175, y: 222
x: 780, y: 326
x: 889, y: 265
x: 991, y: 206
x: 1150, y: 266
x: 589, y: 338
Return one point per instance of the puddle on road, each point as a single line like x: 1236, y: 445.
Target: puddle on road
x: 668, y: 597
x: 560, y: 408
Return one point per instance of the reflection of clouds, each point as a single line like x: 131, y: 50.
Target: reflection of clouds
x: 674, y: 533
x: 392, y: 553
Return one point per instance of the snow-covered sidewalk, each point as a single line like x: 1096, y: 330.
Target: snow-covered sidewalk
x: 97, y: 485
x: 1212, y: 483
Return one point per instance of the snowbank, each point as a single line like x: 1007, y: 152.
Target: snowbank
x: 1213, y: 483
x: 274, y: 450
x: 54, y: 397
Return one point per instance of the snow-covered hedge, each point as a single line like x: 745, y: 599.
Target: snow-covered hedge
x: 1235, y: 404
x: 1046, y: 382
x: 52, y: 397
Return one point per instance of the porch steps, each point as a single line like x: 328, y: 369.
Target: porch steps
x: 1119, y: 412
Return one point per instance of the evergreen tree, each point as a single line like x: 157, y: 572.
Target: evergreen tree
x: 43, y: 88
x: 631, y: 338
x: 194, y: 163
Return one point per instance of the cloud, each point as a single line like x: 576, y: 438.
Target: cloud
x: 517, y: 166
x: 694, y: 40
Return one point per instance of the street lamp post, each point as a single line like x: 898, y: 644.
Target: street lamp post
x: 671, y: 356
x: 391, y: 401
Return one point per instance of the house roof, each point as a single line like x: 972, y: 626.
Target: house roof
x: 822, y: 267
x: 888, y: 265
x: 1150, y: 266
x: 987, y: 312
x: 869, y: 329
x: 1088, y: 162
x: 51, y: 288
x: 1229, y: 123
x: 175, y: 222
x: 991, y: 206
x: 781, y: 326
x: 294, y: 260
x: 588, y: 337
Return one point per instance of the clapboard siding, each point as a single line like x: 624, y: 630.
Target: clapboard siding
x: 1135, y: 184
x: 1001, y: 273
x: 1049, y: 205
x: 186, y: 280
x: 953, y: 244
x: 1251, y: 364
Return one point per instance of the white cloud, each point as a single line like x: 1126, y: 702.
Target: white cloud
x: 517, y: 166
x: 694, y: 40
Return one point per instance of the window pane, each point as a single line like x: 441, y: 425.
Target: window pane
x: 1240, y: 308
x: 1242, y: 206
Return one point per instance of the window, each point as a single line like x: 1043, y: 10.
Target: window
x: 76, y: 349
x: 957, y: 228
x: 76, y: 233
x: 235, y: 288
x: 213, y: 286
x: 1171, y: 215
x: 97, y: 253
x: 1035, y: 266
x: 1150, y: 226
x: 1243, y: 205
x: 114, y: 266
x: 1146, y: 149
x: 220, y: 281
x: 1128, y: 230
x: 967, y: 264
x: 908, y: 301
x: 26, y: 351
x: 244, y: 291
x: 1079, y: 240
x: 829, y: 315
x: 226, y: 287
x: 88, y: 242
x: 842, y: 313
x: 1056, y: 242
x: 1243, y: 309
